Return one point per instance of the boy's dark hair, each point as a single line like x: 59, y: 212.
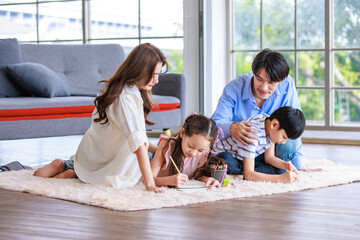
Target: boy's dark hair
x: 292, y: 120
x: 274, y: 63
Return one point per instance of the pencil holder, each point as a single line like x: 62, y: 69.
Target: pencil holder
x: 219, y: 175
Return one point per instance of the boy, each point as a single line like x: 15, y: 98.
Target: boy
x: 283, y: 124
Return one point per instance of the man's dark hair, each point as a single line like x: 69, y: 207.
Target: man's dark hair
x: 274, y: 63
x: 292, y: 120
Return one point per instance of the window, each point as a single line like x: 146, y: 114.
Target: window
x: 128, y: 23
x: 319, y: 39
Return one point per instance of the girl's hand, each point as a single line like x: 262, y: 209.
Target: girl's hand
x: 154, y: 189
x: 211, y: 183
x: 179, y: 179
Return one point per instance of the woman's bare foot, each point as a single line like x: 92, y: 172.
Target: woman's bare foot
x: 67, y: 174
x: 51, y: 169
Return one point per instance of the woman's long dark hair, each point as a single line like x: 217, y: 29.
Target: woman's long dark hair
x: 194, y: 124
x: 139, y: 65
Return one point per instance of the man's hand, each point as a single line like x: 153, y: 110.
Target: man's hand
x: 242, y: 132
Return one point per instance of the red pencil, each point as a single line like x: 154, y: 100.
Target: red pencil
x: 289, y: 164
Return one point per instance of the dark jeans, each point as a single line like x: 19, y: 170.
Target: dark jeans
x: 285, y: 152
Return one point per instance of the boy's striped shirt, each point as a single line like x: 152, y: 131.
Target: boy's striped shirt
x: 238, y: 150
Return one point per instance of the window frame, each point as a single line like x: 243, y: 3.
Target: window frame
x: 329, y: 51
x: 86, y: 22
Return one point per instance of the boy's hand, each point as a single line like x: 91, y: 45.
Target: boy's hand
x: 179, y: 179
x: 289, y: 177
x: 211, y: 183
x: 294, y: 169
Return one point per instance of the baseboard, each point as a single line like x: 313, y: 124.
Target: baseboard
x: 153, y: 134
x: 332, y: 141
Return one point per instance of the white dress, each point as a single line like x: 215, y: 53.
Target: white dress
x: 106, y: 152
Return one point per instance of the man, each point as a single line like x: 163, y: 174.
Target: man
x: 266, y: 89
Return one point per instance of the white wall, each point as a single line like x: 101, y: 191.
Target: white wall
x: 215, y: 49
x: 191, y: 53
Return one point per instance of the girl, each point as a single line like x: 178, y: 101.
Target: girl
x: 189, y: 149
x: 113, y: 152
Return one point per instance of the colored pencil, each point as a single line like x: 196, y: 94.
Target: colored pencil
x: 172, y: 160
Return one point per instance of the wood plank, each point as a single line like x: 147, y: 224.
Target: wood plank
x: 326, y: 213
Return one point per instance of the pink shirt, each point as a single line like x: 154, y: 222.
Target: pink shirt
x: 190, y: 164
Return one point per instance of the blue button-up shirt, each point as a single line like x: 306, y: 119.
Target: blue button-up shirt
x: 237, y: 103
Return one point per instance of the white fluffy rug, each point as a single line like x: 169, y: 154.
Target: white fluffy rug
x: 136, y: 198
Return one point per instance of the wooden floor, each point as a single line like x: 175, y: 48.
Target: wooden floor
x: 327, y: 213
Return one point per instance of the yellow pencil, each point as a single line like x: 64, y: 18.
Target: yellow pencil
x: 172, y: 160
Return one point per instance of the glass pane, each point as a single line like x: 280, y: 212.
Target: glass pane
x: 278, y: 24
x: 311, y: 68
x: 243, y: 62
x: 63, y: 42
x: 60, y: 21
x: 18, y: 21
x: 173, y: 51
x: 247, y: 24
x: 53, y: 0
x: 290, y: 59
x: 347, y: 68
x: 347, y: 23
x: 114, y: 19
x: 311, y: 24
x: 313, y: 105
x: 161, y: 18
x: 16, y: 1
x: 347, y: 107
x: 128, y: 45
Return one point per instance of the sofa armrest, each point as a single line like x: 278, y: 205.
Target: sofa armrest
x: 173, y: 84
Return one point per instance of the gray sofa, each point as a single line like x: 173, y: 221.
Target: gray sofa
x: 23, y: 114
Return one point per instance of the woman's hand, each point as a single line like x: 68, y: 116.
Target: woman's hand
x: 242, y: 132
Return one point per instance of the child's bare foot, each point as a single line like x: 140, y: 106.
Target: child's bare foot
x: 67, y: 174
x: 51, y: 169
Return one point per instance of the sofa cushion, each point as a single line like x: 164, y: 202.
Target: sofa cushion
x: 32, y: 108
x: 80, y: 66
x: 165, y: 103
x: 9, y: 54
x: 38, y: 80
